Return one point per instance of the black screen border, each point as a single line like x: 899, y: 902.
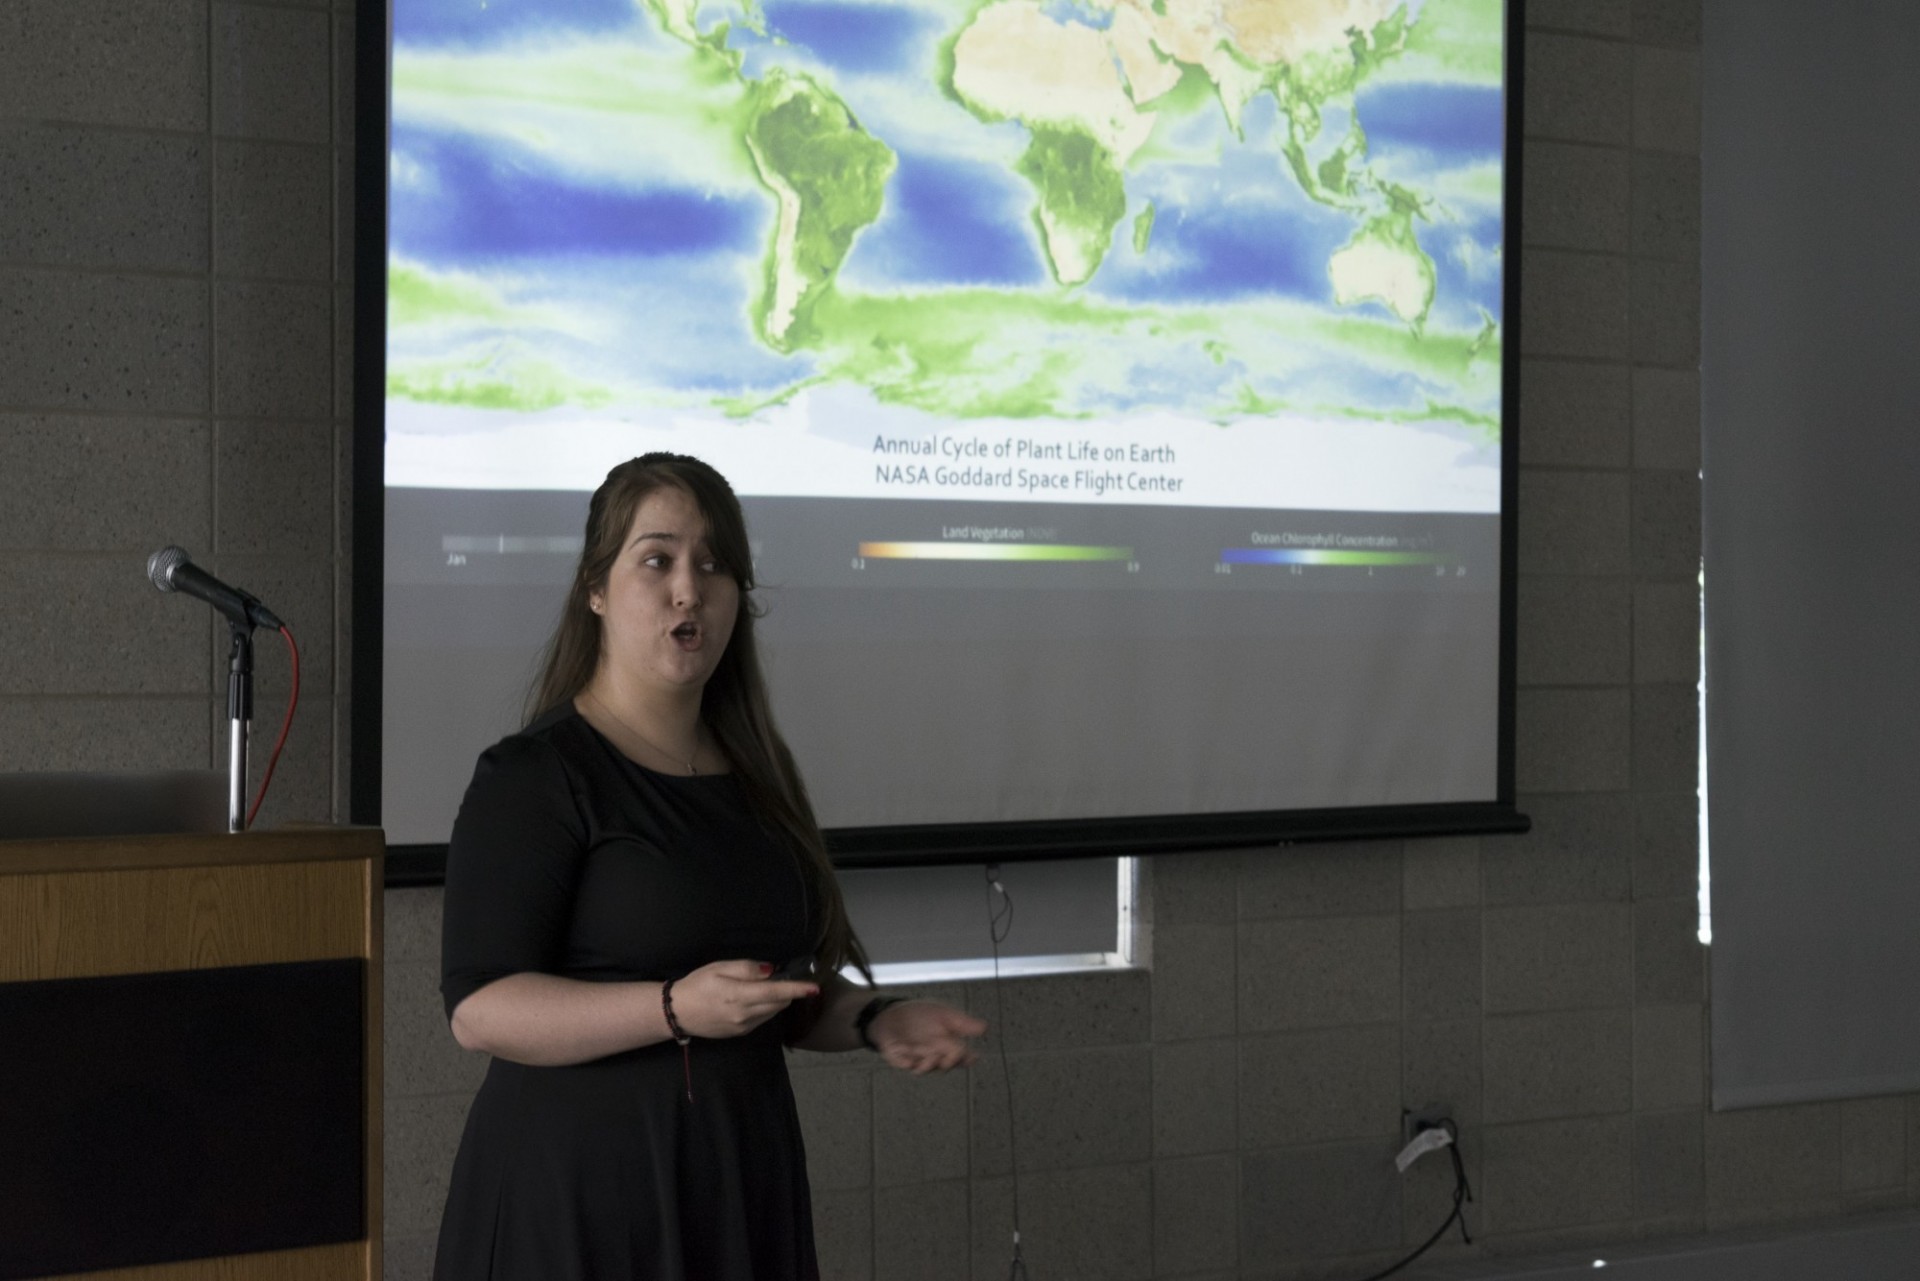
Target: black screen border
x: 921, y: 844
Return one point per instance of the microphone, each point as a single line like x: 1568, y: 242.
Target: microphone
x: 172, y: 570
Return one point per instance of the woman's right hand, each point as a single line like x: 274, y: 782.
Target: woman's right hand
x: 731, y: 998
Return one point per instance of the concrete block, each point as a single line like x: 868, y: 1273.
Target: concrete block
x: 81, y: 197
x: 1196, y: 1214
x: 1319, y: 1202
x: 1320, y: 1087
x: 1574, y: 415
x: 1195, y: 991
x: 1571, y: 1064
x: 920, y: 1232
x: 1666, y: 419
x: 1600, y: 17
x: 1074, y: 1223
x: 1574, y: 631
x: 1666, y: 855
x: 1666, y: 312
x: 82, y: 484
x: 275, y: 488
x: 1063, y: 1011
x: 1575, y: 197
x: 91, y: 733
x: 149, y: 651
x: 300, y: 591
x: 345, y: 118
x: 836, y: 1117
x: 272, y: 73
x: 408, y: 1258
x: 412, y: 921
x: 273, y: 211
x: 1577, y: 852
x: 1666, y: 633
x: 1441, y: 1063
x: 1669, y: 963
x: 1195, y: 1093
x: 1441, y: 871
x: 1570, y: 957
x: 1913, y: 1147
x: 1575, y: 304
x: 1873, y: 1144
x: 843, y: 1233
x: 1784, y: 1159
x: 1666, y: 206
x: 103, y: 62
x: 1071, y: 1108
x: 275, y: 345
x: 421, y: 1055
x: 919, y: 1128
x: 1556, y: 1174
x: 1578, y: 89
x: 1669, y: 1057
x: 1343, y: 879
x: 1440, y: 963
x: 1666, y: 100
x: 1666, y: 21
x: 1666, y: 738
x: 1669, y: 1168
x: 343, y: 322
x: 125, y: 344
x: 1195, y: 889
x: 1575, y: 523
x: 1666, y: 526
x: 420, y: 1138
x: 1572, y: 740
x: 1319, y: 972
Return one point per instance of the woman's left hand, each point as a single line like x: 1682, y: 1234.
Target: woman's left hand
x: 925, y: 1036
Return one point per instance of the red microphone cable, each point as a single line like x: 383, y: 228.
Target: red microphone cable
x: 293, y: 701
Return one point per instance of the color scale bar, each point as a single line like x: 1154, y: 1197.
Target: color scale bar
x: 991, y: 551
x: 1321, y: 556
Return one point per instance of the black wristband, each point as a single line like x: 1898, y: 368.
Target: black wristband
x: 666, y: 1007
x: 868, y: 1013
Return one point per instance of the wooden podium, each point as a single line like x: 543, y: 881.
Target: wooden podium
x: 190, y: 1057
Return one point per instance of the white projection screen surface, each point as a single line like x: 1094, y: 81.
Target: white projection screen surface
x: 1115, y: 389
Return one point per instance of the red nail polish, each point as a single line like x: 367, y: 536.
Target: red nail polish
x: 766, y: 968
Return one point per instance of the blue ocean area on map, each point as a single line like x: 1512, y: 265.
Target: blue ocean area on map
x: 1446, y: 118
x: 854, y: 37
x: 457, y: 21
x: 946, y: 222
x: 512, y: 210
x: 1219, y: 253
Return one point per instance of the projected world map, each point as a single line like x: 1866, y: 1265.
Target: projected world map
x: 1269, y: 229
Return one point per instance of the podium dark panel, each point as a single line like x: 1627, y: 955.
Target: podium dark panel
x: 154, y: 1118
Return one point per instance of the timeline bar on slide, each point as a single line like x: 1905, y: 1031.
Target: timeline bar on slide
x: 1328, y: 556
x: 993, y: 551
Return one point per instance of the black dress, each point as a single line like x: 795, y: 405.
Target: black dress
x: 567, y: 858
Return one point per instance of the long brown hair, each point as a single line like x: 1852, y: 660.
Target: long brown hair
x: 734, y: 703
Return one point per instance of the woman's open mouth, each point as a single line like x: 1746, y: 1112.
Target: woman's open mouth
x: 686, y: 636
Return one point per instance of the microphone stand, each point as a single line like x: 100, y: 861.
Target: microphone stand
x: 239, y: 716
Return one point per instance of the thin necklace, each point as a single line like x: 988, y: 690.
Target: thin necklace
x: 672, y: 756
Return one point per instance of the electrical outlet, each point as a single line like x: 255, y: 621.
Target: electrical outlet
x: 1425, y: 1118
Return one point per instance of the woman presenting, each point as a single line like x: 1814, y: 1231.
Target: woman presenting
x: 640, y: 914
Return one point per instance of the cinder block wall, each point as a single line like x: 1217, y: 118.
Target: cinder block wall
x: 174, y: 308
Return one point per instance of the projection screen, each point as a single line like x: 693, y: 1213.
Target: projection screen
x: 1116, y: 391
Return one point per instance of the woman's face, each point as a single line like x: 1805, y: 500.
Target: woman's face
x: 667, y: 608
